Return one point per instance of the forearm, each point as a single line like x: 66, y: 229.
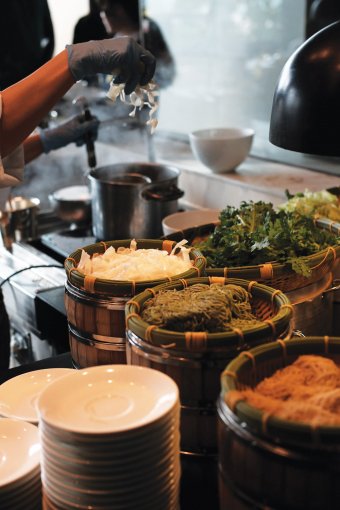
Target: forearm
x: 32, y: 147
x: 27, y: 102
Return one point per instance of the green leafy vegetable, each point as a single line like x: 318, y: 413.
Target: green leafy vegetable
x: 313, y: 203
x: 255, y: 233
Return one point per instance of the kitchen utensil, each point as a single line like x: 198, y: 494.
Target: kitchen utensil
x: 221, y: 149
x: 313, y: 306
x: 96, y: 314
x: 118, y: 428
x: 18, y: 222
x: 20, y: 478
x: 87, y: 115
x: 18, y: 395
x: 302, y: 458
x: 195, y: 360
x: 189, y: 219
x: 129, y: 200
x: 72, y: 204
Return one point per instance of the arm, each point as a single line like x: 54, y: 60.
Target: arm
x: 28, y: 101
x: 75, y: 130
x: 32, y: 148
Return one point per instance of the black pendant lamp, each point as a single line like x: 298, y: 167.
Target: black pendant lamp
x: 306, y: 106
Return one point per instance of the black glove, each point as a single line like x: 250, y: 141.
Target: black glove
x: 74, y: 130
x: 122, y: 57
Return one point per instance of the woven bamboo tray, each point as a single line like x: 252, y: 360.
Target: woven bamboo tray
x: 274, y: 274
x: 125, y: 288
x: 271, y: 306
x: 249, y: 368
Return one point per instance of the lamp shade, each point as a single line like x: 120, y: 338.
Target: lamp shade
x: 306, y: 106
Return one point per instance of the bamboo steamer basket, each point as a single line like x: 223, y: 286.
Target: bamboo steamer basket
x: 274, y: 274
x: 267, y: 462
x: 195, y: 360
x: 95, y: 307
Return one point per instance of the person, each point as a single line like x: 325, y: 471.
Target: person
x: 24, y: 104
x: 122, y: 17
x: 131, y: 63
x: 90, y: 26
x: 26, y: 39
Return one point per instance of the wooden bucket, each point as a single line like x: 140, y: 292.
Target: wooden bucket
x: 96, y: 327
x: 96, y: 308
x: 199, y: 481
x: 88, y: 351
x: 336, y: 301
x: 267, y: 462
x: 313, y: 307
x: 197, y: 376
x: 196, y: 366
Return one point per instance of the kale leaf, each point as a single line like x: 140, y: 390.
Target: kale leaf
x: 255, y: 233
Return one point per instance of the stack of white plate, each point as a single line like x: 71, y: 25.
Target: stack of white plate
x: 110, y: 440
x: 18, y: 396
x: 20, y: 484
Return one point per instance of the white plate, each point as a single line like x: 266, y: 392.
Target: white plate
x: 107, y: 399
x: 18, y: 396
x: 138, y: 452
x: 71, y: 193
x: 111, y: 500
x: 19, y: 450
x: 125, y: 438
x: 25, y: 494
x: 132, y: 468
x: 109, y: 449
x: 188, y: 219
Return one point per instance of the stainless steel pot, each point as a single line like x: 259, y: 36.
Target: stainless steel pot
x: 72, y: 204
x: 129, y: 200
x: 18, y: 222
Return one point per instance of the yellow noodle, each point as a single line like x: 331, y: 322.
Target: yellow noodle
x: 308, y: 390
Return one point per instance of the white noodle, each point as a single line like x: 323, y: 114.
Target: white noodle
x: 145, y: 95
x: 136, y: 264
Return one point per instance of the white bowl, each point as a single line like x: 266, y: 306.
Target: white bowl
x: 187, y: 219
x: 221, y: 149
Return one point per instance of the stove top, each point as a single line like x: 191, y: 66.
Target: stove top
x: 33, y: 280
x: 65, y: 242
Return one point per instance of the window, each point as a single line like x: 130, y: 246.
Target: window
x: 229, y: 54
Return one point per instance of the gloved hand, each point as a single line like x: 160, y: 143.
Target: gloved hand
x: 74, y: 130
x: 123, y: 57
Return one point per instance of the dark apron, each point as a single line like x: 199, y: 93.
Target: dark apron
x: 5, y: 338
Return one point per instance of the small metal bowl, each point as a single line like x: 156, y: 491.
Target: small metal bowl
x: 72, y: 204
